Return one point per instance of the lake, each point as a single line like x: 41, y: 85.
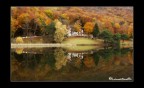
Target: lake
x: 63, y: 64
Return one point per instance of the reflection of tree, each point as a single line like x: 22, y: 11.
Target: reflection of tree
x: 89, y: 61
x: 130, y: 57
x: 28, y: 60
x: 19, y: 50
x: 96, y: 57
x: 106, y: 53
x: 29, y: 67
x: 60, y: 58
x: 124, y: 51
x: 14, y: 65
x: 117, y: 60
x: 117, y: 52
x: 76, y: 62
x: 48, y: 58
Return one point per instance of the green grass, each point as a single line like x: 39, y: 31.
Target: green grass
x: 85, y: 41
x: 82, y: 40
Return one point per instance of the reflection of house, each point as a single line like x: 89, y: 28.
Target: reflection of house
x: 78, y: 55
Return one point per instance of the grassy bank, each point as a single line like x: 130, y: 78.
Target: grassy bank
x: 81, y: 40
x: 126, y: 43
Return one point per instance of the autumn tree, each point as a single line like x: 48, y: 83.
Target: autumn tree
x: 61, y: 31
x: 130, y: 30
x: 14, y: 26
x: 49, y: 13
x: 64, y: 18
x: 77, y: 26
x: 89, y: 27
x: 116, y: 27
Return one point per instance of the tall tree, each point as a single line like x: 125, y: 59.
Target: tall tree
x: 96, y: 30
x: 60, y: 32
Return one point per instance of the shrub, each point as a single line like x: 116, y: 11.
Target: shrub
x: 19, y: 40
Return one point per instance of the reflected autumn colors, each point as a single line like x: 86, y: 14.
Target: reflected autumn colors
x: 58, y: 64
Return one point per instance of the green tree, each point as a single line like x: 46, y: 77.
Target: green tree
x: 124, y: 37
x: 50, y: 28
x: 96, y: 30
x: 117, y: 36
x: 47, y: 29
x: 106, y: 53
x: 106, y: 35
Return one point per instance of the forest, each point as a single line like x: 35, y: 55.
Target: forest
x: 58, y: 23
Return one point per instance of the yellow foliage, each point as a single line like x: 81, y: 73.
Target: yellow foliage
x: 14, y: 24
x: 49, y: 12
x: 117, y: 26
x: 64, y: 16
x: 94, y: 19
x: 77, y: 26
x: 19, y: 40
x: 89, y: 27
x: 60, y: 58
x: 57, y: 23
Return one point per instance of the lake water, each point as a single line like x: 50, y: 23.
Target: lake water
x: 61, y: 64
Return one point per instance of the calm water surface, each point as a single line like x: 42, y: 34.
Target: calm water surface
x: 58, y: 64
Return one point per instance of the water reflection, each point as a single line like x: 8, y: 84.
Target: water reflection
x: 58, y: 64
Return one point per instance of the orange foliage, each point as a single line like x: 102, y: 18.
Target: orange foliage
x: 130, y: 30
x: 89, y: 27
x: 104, y: 18
x: 86, y: 18
x: 14, y: 24
x: 48, y: 21
x: 89, y: 62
